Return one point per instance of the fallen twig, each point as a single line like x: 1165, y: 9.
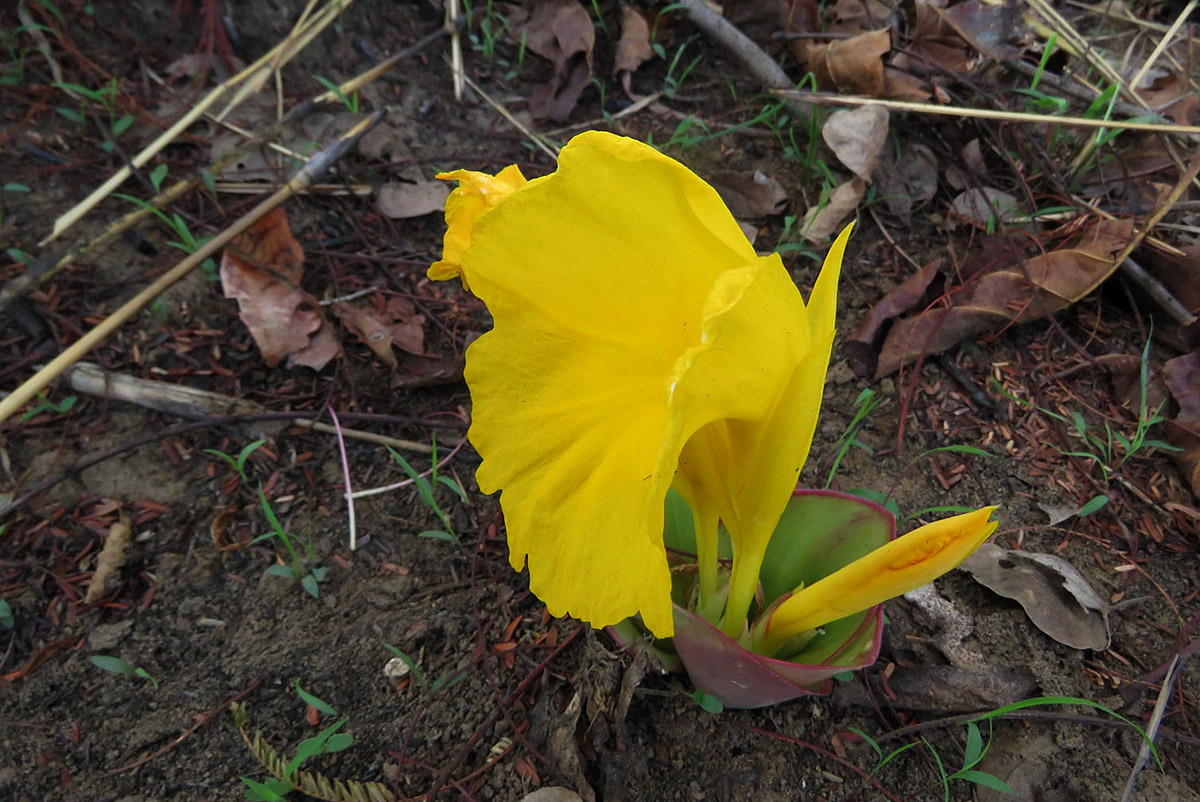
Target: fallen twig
x: 316, y: 166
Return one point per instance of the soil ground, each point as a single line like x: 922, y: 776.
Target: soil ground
x: 509, y: 699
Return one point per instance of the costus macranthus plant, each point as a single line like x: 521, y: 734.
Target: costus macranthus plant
x: 644, y: 403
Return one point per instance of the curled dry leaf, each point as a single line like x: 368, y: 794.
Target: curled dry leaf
x: 1055, y: 596
x: 935, y: 46
x: 983, y: 206
x: 853, y: 65
x: 750, y: 195
x: 914, y: 292
x: 111, y: 558
x: 261, y: 269
x: 1182, y: 376
x: 400, y: 200
x: 633, y: 48
x: 1017, y: 293
x: 857, y: 137
x: 822, y: 221
x: 560, y: 31
x: 397, y: 324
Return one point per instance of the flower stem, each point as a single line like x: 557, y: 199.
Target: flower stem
x: 707, y: 561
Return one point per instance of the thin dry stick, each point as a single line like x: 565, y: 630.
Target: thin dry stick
x: 346, y: 475
x: 310, y: 172
x: 547, y: 148
x: 983, y: 114
x: 761, y: 66
x: 1160, y: 707
x: 1163, y: 43
x: 456, y: 54
x: 248, y: 77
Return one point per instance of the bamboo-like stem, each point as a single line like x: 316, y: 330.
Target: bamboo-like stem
x: 305, y: 176
x: 250, y: 80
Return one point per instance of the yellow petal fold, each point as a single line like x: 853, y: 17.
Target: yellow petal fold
x: 630, y: 312
x: 905, y: 563
x: 475, y: 194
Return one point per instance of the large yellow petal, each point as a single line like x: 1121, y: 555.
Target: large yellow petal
x: 475, y: 194
x: 903, y: 564
x: 629, y: 312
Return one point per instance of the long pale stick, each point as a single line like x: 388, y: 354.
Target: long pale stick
x: 309, y: 173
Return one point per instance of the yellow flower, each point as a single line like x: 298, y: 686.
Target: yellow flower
x: 634, y: 323
x: 905, y: 563
x: 474, y: 195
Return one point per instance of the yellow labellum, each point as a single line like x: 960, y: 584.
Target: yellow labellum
x: 905, y: 563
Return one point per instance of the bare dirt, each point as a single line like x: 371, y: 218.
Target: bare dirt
x: 508, y: 699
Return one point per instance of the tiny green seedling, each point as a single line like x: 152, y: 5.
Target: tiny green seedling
x: 864, y: 405
x: 44, y: 404
x: 188, y: 242
x: 296, y: 568
x: 350, y: 102
x: 447, y: 680
x: 425, y: 491
x: 327, y: 741
x: 238, y: 463
x: 116, y: 665
x: 707, y: 702
x: 7, y: 620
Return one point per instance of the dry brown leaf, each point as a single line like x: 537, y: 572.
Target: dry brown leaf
x: 1016, y: 293
x: 560, y: 31
x: 820, y: 223
x: 397, y: 324
x: 912, y: 293
x: 983, y: 207
x: 935, y: 47
x: 854, y: 65
x: 856, y: 16
x: 995, y: 29
x: 749, y: 195
x: 1055, y: 596
x: 400, y: 200
x: 111, y: 558
x: 261, y: 269
x: 1182, y: 376
x: 857, y: 137
x: 633, y: 48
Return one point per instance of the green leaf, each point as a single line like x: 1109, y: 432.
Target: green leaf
x: 157, y: 175
x: 74, y: 115
x: 114, y: 664
x: 272, y: 791
x: 869, y: 741
x: 210, y: 183
x: 448, y: 681
x: 13, y: 187
x: 417, y: 676
x: 7, y: 621
x: 1092, y: 506
x: 278, y: 569
x: 957, y: 449
x: 985, y: 779
x: 974, y: 748
x: 320, y: 704
x: 453, y: 485
x: 438, y: 534
x: 245, y: 453
x: 144, y: 674
x: 339, y: 742
x: 707, y: 702
x: 309, y: 583
x: 122, y: 125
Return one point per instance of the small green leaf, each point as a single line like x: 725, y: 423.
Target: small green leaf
x: 447, y: 681
x: 438, y: 534
x: 285, y: 571
x: 210, y: 183
x: 974, y: 747
x: 309, y: 583
x: 114, y: 664
x: 157, y: 175
x: 268, y: 792
x: 339, y: 742
x: 122, y: 125
x: 707, y: 702
x: 13, y: 187
x: 144, y: 674
x: 869, y: 741
x: 1092, y: 506
x: 74, y: 115
x: 7, y: 621
x: 320, y: 704
x: 958, y: 449
x: 986, y: 780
